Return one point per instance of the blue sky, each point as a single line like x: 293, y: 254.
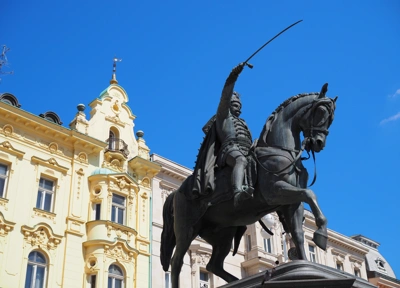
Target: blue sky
x: 177, y: 55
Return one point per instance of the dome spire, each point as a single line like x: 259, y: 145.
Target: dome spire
x: 114, y: 74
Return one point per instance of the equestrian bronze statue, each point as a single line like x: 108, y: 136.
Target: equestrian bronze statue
x: 271, y: 174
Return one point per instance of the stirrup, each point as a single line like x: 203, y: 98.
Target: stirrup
x: 239, y: 197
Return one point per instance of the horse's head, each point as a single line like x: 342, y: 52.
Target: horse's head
x: 316, y: 120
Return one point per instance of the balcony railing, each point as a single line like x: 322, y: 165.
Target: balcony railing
x: 117, y: 145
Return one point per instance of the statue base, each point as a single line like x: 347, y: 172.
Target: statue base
x: 301, y: 273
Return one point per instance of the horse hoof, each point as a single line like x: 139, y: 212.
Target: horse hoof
x: 320, y: 239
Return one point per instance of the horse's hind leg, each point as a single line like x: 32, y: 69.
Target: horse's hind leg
x: 182, y: 245
x: 221, y: 247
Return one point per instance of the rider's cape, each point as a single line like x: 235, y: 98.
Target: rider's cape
x: 202, y: 181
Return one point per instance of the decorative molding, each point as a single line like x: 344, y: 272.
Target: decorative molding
x: 5, y: 226
x: 4, y: 203
x: 82, y: 157
x: 120, y: 252
x: 119, y: 231
x: 79, y: 180
x: 7, y: 147
x: 42, y: 236
x: 115, y: 119
x: 338, y: 257
x: 53, y: 147
x: 45, y: 214
x: 74, y: 226
x: 8, y: 130
x: 51, y: 163
x: 146, y: 182
x: 113, y: 165
x: 91, y: 264
x: 356, y: 265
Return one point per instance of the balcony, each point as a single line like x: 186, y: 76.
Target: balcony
x: 117, y: 145
x: 107, y: 231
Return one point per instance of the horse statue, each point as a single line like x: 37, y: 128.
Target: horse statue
x: 281, y: 186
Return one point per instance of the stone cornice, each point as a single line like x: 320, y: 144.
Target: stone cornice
x: 143, y: 166
x: 171, y: 168
x: 51, y: 163
x: 7, y: 147
x: 40, y: 126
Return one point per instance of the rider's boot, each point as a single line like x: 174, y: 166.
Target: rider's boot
x: 241, y: 195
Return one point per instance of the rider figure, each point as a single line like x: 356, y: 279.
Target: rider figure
x: 234, y: 136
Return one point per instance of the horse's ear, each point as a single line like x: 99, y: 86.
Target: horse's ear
x: 334, y: 100
x: 324, y: 89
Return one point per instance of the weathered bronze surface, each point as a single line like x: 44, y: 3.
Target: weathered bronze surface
x: 236, y: 182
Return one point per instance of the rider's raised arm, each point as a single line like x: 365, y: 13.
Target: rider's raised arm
x: 225, y: 101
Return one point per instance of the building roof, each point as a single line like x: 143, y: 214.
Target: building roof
x: 375, y: 261
x: 102, y: 171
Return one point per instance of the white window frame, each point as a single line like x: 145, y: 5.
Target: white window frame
x: 266, y: 245
x: 167, y: 282
x: 119, y: 207
x: 94, y: 211
x: 205, y: 284
x: 34, y: 269
x: 115, y: 276
x: 248, y: 243
x: 5, y: 177
x: 312, y: 254
x: 48, y: 192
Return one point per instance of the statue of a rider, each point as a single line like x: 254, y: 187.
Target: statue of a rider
x: 227, y: 143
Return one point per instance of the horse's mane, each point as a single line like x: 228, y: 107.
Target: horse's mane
x: 275, y: 113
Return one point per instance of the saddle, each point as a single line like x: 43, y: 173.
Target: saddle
x: 223, y: 186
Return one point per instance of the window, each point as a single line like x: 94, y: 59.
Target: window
x: 118, y: 209
x: 268, y: 245
x: 3, y: 179
x: 93, y: 281
x: 339, y: 266
x: 111, y: 142
x: 115, y: 277
x: 381, y: 264
x: 357, y: 273
x: 248, y: 243
x: 204, y: 280
x: 36, y: 271
x: 167, y: 278
x: 45, y: 195
x: 96, y: 211
x: 313, y: 256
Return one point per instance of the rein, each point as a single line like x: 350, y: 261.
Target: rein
x: 293, y: 162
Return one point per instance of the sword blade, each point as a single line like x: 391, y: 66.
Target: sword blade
x: 269, y: 41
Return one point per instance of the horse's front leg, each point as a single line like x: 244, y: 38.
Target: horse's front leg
x: 283, y: 193
x: 293, y: 215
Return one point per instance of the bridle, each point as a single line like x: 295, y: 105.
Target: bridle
x: 308, y: 132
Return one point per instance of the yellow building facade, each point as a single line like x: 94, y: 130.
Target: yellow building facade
x: 75, y: 203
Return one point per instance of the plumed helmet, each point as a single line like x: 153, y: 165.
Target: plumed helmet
x: 236, y: 98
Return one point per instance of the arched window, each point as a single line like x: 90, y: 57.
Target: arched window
x: 36, y: 273
x: 115, y: 277
x: 111, y: 134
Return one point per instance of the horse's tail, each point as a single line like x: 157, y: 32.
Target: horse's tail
x: 238, y: 235
x: 168, y: 240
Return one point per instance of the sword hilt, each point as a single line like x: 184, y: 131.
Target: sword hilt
x: 249, y: 65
